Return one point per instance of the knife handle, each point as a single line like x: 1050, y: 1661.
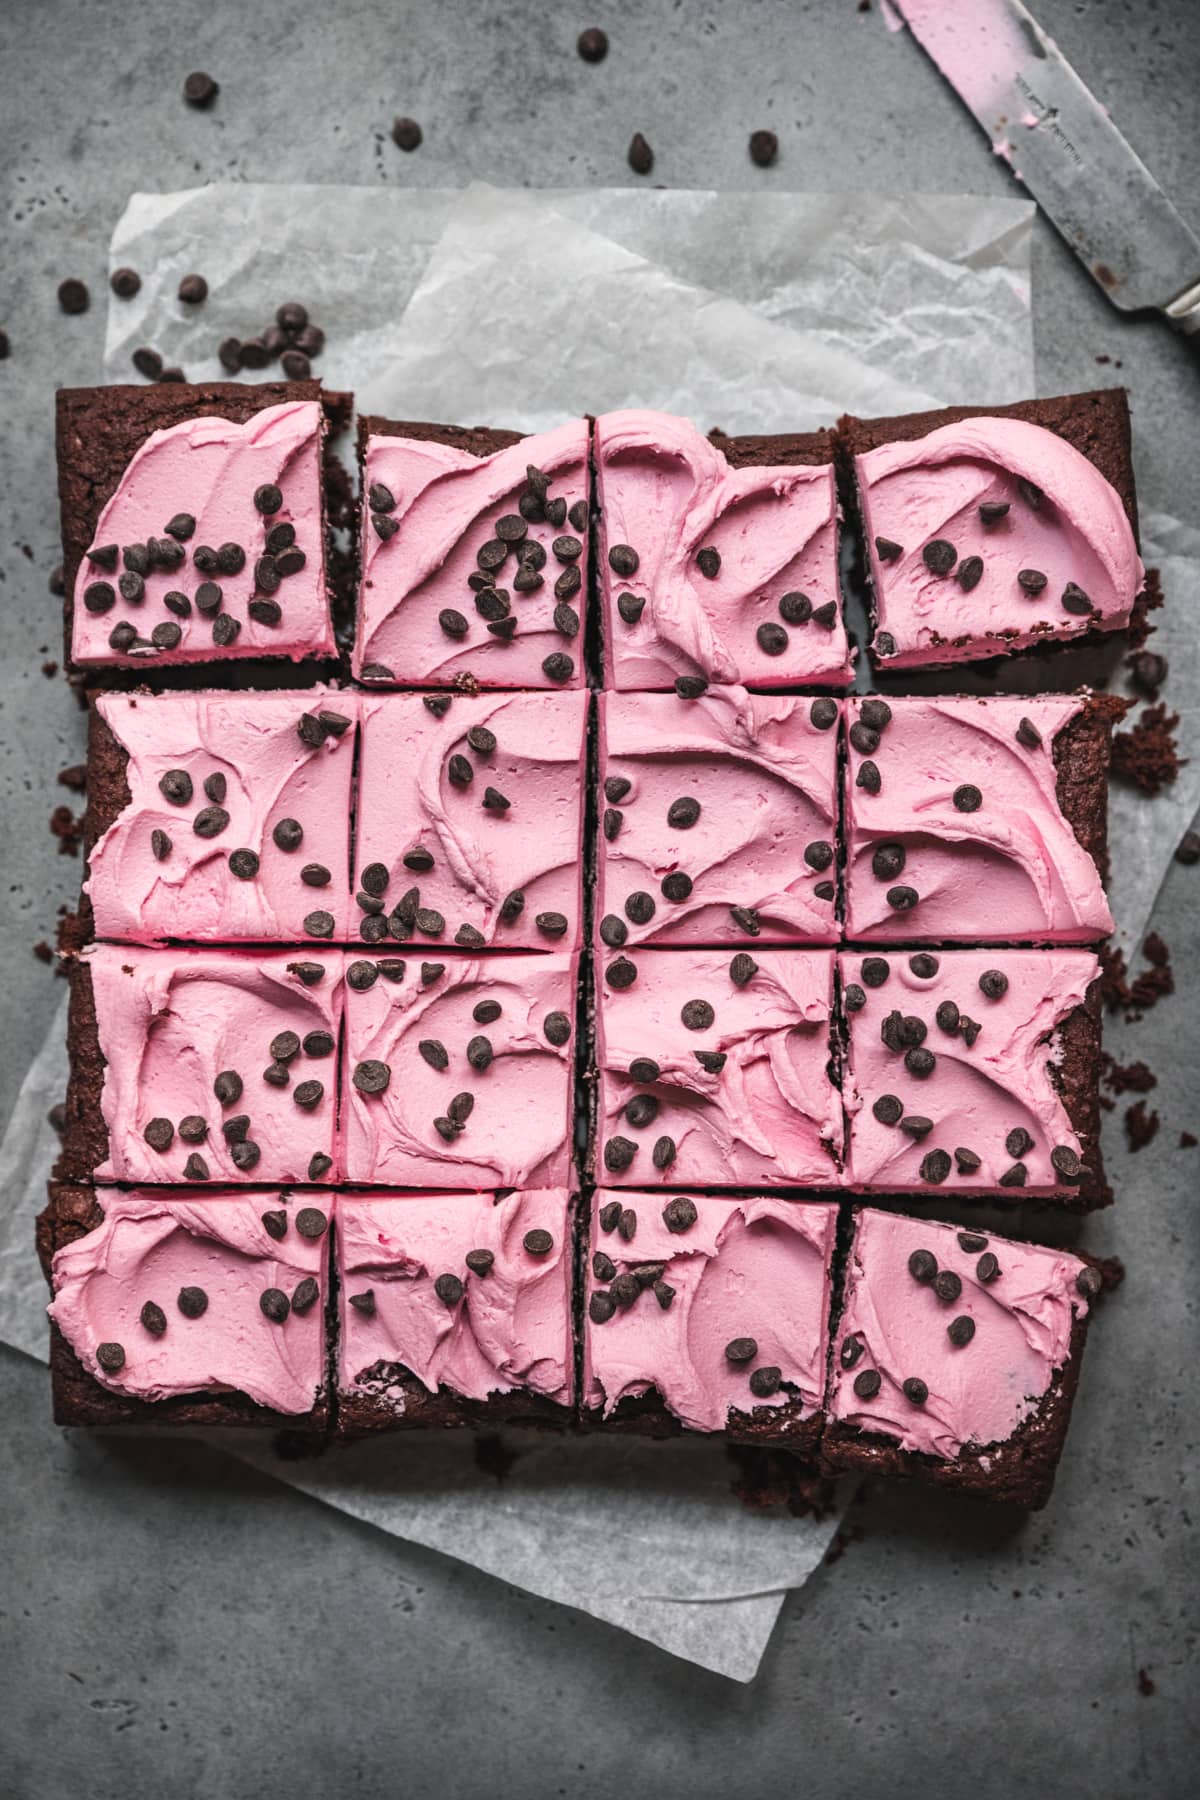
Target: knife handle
x: 1184, y: 310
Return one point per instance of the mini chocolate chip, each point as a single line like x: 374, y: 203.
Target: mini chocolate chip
x: 309, y: 1094
x: 111, y: 1357
x: 765, y: 1381
x: 627, y: 1225
x: 680, y: 1214
x: 195, y: 1168
x: 132, y: 587
x: 920, y: 1062
x: 319, y: 1165
x: 315, y: 875
x: 153, y: 1318
x: 430, y: 972
x: 742, y: 969
x: 193, y: 291
x: 1014, y: 1177
x: 1074, y: 600
x: 923, y: 1266
x: 863, y: 738
x: 479, y: 1052
x: 361, y: 976
x: 311, y: 1222
x: 371, y: 1077
x: 364, y: 1303
x: 468, y: 938
x: 887, y: 549
x: 854, y: 999
x: 177, y: 603
x: 746, y: 919
x: 1089, y: 1282
x: 265, y: 612
x: 851, y: 1351
x: 275, y: 1223
x: 306, y: 1295
x: 193, y: 1129
x: 969, y: 573
x: 818, y: 855
x: 1018, y: 1142
x: 449, y: 1289
x: 992, y: 511
x: 826, y: 615
x: 461, y: 1108
x: 538, y: 1242
x: 244, y: 864
x: 947, y: 1016
x: 495, y: 801
x: 453, y: 623
x: 960, y: 1331
x: 434, y: 1052
x: 274, y: 1305
x: 577, y: 517
x: 552, y: 924
x: 159, y: 1134
x: 711, y: 1061
x: 640, y: 156
x: 237, y: 1129
x: 613, y: 820
x: 888, y: 1109
x: 210, y: 821
x: 764, y: 148
x: 166, y: 636
x: 868, y: 777
x: 228, y: 1087
x: 1065, y: 1162
x: 971, y: 1242
x: 640, y: 908
x: 939, y: 556
x: 888, y: 861
x: 209, y: 598
x: 683, y: 813
x: 947, y: 1285
x: 99, y: 597
x: 916, y: 1125
x: 619, y: 1152
x: 609, y: 1215
x: 231, y: 559
x: 1029, y: 735
x: 867, y: 1384
x: 741, y: 1350
x: 192, y: 1302
x: 875, y: 713
x: 708, y: 561
x: 176, y: 786
x: 663, y: 1153
x: 993, y: 983
x: 902, y: 898
x: 601, y: 1307
x: 967, y: 798
x: 987, y: 1269
x: 875, y: 970
x: 73, y: 296
x: 676, y: 886
x: 480, y: 1262
x: 823, y: 713
x: 641, y: 1111
x: 225, y: 630
x: 697, y: 1015
x: 245, y: 1156
x: 558, y: 667
x: 613, y: 931
x: 1031, y: 581
x: 915, y: 1390
x: 690, y: 687
x: 923, y: 966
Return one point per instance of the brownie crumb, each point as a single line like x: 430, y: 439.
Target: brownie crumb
x: 1148, y: 601
x: 768, y: 1478
x: 1146, y: 989
x: 74, y: 777
x: 1146, y: 754
x: 1144, y: 1684
x: 1188, y: 1140
x: 1141, y: 1127
x: 1112, y: 1272
x: 49, y: 670
x: 1187, y: 850
x: 67, y: 829
x: 1127, y: 1078
x: 44, y: 952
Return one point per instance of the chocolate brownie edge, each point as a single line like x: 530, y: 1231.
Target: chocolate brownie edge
x: 1077, y: 1078
x: 85, y: 1142
x: 361, y: 1412
x: 1081, y: 757
x: 475, y: 440
x: 108, y: 795
x: 779, y: 450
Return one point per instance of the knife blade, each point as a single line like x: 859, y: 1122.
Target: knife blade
x: 1061, y: 144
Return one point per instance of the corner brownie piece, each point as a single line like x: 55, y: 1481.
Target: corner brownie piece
x: 991, y: 529
x: 218, y: 817
x: 718, y: 819
x: 978, y: 819
x: 473, y: 810
x: 716, y: 1071
x: 459, y: 1073
x: 709, y: 1314
x: 474, y: 556
x: 455, y: 1309
x: 193, y: 522
x: 202, y: 1065
x: 956, y: 1357
x: 718, y: 559
x: 172, y: 1308
x: 976, y: 1070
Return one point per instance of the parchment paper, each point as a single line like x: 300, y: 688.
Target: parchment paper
x: 754, y: 312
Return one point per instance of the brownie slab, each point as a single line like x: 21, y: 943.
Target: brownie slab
x: 956, y: 1357
x: 175, y: 1308
x: 455, y: 1309
x: 202, y: 1065
x: 718, y: 819
x: 218, y: 817
x: 990, y: 530
x: 459, y: 1072
x: 715, y: 1070
x: 708, y: 1314
x: 718, y: 558
x: 474, y: 556
x: 474, y: 812
x: 976, y: 1071
x: 975, y: 820
x: 193, y: 523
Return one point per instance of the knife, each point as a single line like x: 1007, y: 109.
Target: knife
x: 1061, y: 144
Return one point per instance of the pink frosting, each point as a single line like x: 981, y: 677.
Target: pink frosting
x: 770, y: 1115
x: 667, y: 493
x: 520, y: 1125
x: 931, y: 488
x: 171, y: 1021
x: 766, y: 779
x: 1011, y: 869
x: 977, y: 1094
x: 447, y: 506
x: 270, y: 775
x: 980, y: 1391
x: 482, y: 855
x: 210, y: 468
x: 510, y: 1330
x: 150, y: 1245
x: 746, y: 1268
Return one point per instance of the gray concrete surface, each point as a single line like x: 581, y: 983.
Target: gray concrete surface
x: 168, y: 1621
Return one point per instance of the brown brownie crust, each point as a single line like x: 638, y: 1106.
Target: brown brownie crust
x: 361, y: 1411
x: 809, y: 448
x: 1020, y: 1470
x: 79, y: 1399
x: 99, y: 429
x: 85, y: 1135
x: 762, y: 1427
x: 1082, y: 751
x: 107, y: 797
x: 473, y: 440
x: 1096, y: 424
x: 1077, y: 1078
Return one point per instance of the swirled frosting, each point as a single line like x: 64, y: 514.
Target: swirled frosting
x: 210, y: 469
x: 510, y: 1081
x: 755, y: 1269
x: 171, y: 1021
x: 150, y: 1245
x: 764, y: 776
x: 266, y: 776
x: 427, y: 790
x: 1064, y: 522
x: 896, y: 1326
x: 764, y: 1110
x: 668, y: 494
x: 969, y: 794
x: 509, y: 1329
x: 448, y: 504
x: 990, y: 1092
